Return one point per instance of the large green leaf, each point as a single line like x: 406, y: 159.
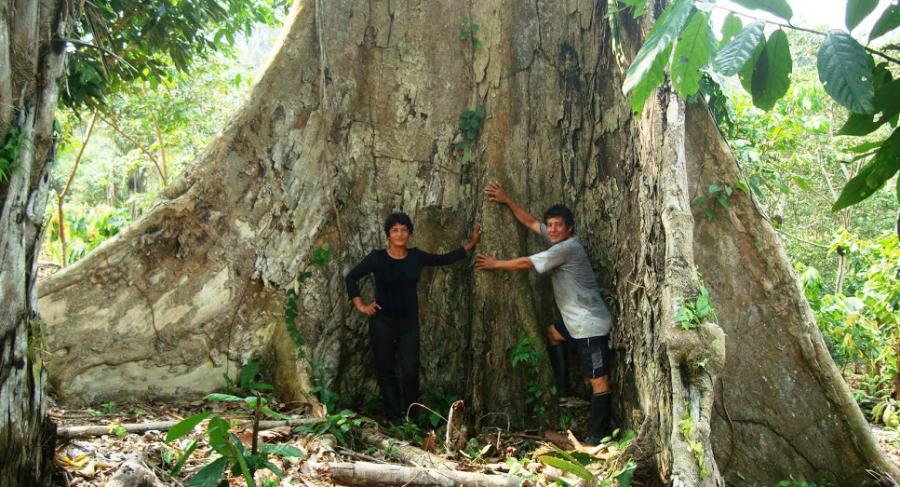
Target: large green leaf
x: 650, y: 82
x: 888, y: 21
x: 859, y: 124
x: 746, y: 72
x: 771, y: 77
x: 282, y: 450
x: 639, y: 6
x: 737, y: 52
x: 730, y: 28
x: 220, y: 397
x: 691, y: 53
x: 209, y: 475
x: 185, y: 426
x: 566, y: 466
x: 857, y: 10
x: 873, y: 175
x: 777, y: 7
x: 845, y: 70
x: 217, y: 433
x: 657, y: 44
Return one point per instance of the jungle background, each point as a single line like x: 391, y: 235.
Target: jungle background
x: 116, y: 155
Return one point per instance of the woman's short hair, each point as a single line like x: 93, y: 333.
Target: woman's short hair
x: 397, y: 219
x: 561, y: 211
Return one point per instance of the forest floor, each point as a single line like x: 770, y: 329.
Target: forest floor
x: 341, y: 449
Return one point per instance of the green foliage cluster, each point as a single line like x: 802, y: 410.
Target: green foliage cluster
x: 468, y: 32
x: 525, y: 354
x: 119, y: 42
x: 691, y: 314
x: 233, y: 455
x: 86, y: 228
x: 686, y: 428
x: 612, y: 473
x: 682, y: 43
x: 344, y: 426
x: 470, y: 123
x: 715, y: 193
x: 861, y: 325
x: 248, y: 380
x: 16, y: 142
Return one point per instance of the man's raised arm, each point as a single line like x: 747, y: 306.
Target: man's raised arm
x: 497, y: 194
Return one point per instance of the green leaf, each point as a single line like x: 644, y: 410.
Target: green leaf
x: 746, y: 72
x: 859, y: 124
x: 777, y: 7
x: 650, y: 82
x: 281, y: 450
x: 248, y: 373
x: 873, y: 175
x: 771, y: 77
x: 272, y: 414
x: 864, y: 147
x: 698, y: 201
x: 217, y: 434
x: 888, y: 21
x: 845, y: 70
x: 691, y: 53
x: 209, y: 475
x: 740, y: 50
x: 731, y: 27
x: 657, y: 45
x: 639, y: 6
x: 242, y: 462
x: 185, y: 426
x: 184, y: 457
x: 218, y: 396
x: 857, y: 10
x: 566, y: 466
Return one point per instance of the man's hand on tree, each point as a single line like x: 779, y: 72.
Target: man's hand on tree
x: 496, y: 193
x: 474, y: 239
x: 485, y: 262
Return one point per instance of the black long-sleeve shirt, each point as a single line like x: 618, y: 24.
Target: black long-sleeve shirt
x: 396, y: 279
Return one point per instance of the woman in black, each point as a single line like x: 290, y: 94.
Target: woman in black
x: 394, y: 314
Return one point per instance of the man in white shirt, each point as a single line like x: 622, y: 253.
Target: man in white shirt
x: 586, y: 320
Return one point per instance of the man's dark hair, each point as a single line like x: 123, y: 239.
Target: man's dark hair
x: 397, y: 218
x: 562, y: 211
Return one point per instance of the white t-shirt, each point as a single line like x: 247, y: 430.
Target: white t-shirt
x: 575, y: 287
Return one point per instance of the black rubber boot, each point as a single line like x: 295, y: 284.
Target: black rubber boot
x: 601, y: 412
x: 560, y: 372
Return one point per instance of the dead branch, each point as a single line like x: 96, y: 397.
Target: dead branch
x: 403, y: 451
x: 365, y: 473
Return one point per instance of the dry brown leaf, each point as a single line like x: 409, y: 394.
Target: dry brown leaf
x: 429, y: 442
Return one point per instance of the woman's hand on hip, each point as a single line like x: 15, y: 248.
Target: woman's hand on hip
x: 368, y: 309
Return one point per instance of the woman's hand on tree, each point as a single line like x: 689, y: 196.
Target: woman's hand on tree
x: 368, y: 309
x: 474, y: 239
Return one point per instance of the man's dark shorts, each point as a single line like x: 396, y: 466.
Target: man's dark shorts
x: 594, y: 352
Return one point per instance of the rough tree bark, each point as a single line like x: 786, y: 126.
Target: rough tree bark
x: 354, y: 117
x: 31, y: 65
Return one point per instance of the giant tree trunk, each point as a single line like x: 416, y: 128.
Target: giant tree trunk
x: 356, y: 116
x: 31, y: 65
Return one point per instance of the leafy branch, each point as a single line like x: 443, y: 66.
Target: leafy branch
x: 682, y: 44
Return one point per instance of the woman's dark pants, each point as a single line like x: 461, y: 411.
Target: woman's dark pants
x: 394, y: 340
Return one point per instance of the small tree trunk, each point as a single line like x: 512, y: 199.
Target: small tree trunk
x: 31, y: 66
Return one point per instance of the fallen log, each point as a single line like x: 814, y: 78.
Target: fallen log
x: 365, y: 473
x: 403, y: 451
x: 83, y: 431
